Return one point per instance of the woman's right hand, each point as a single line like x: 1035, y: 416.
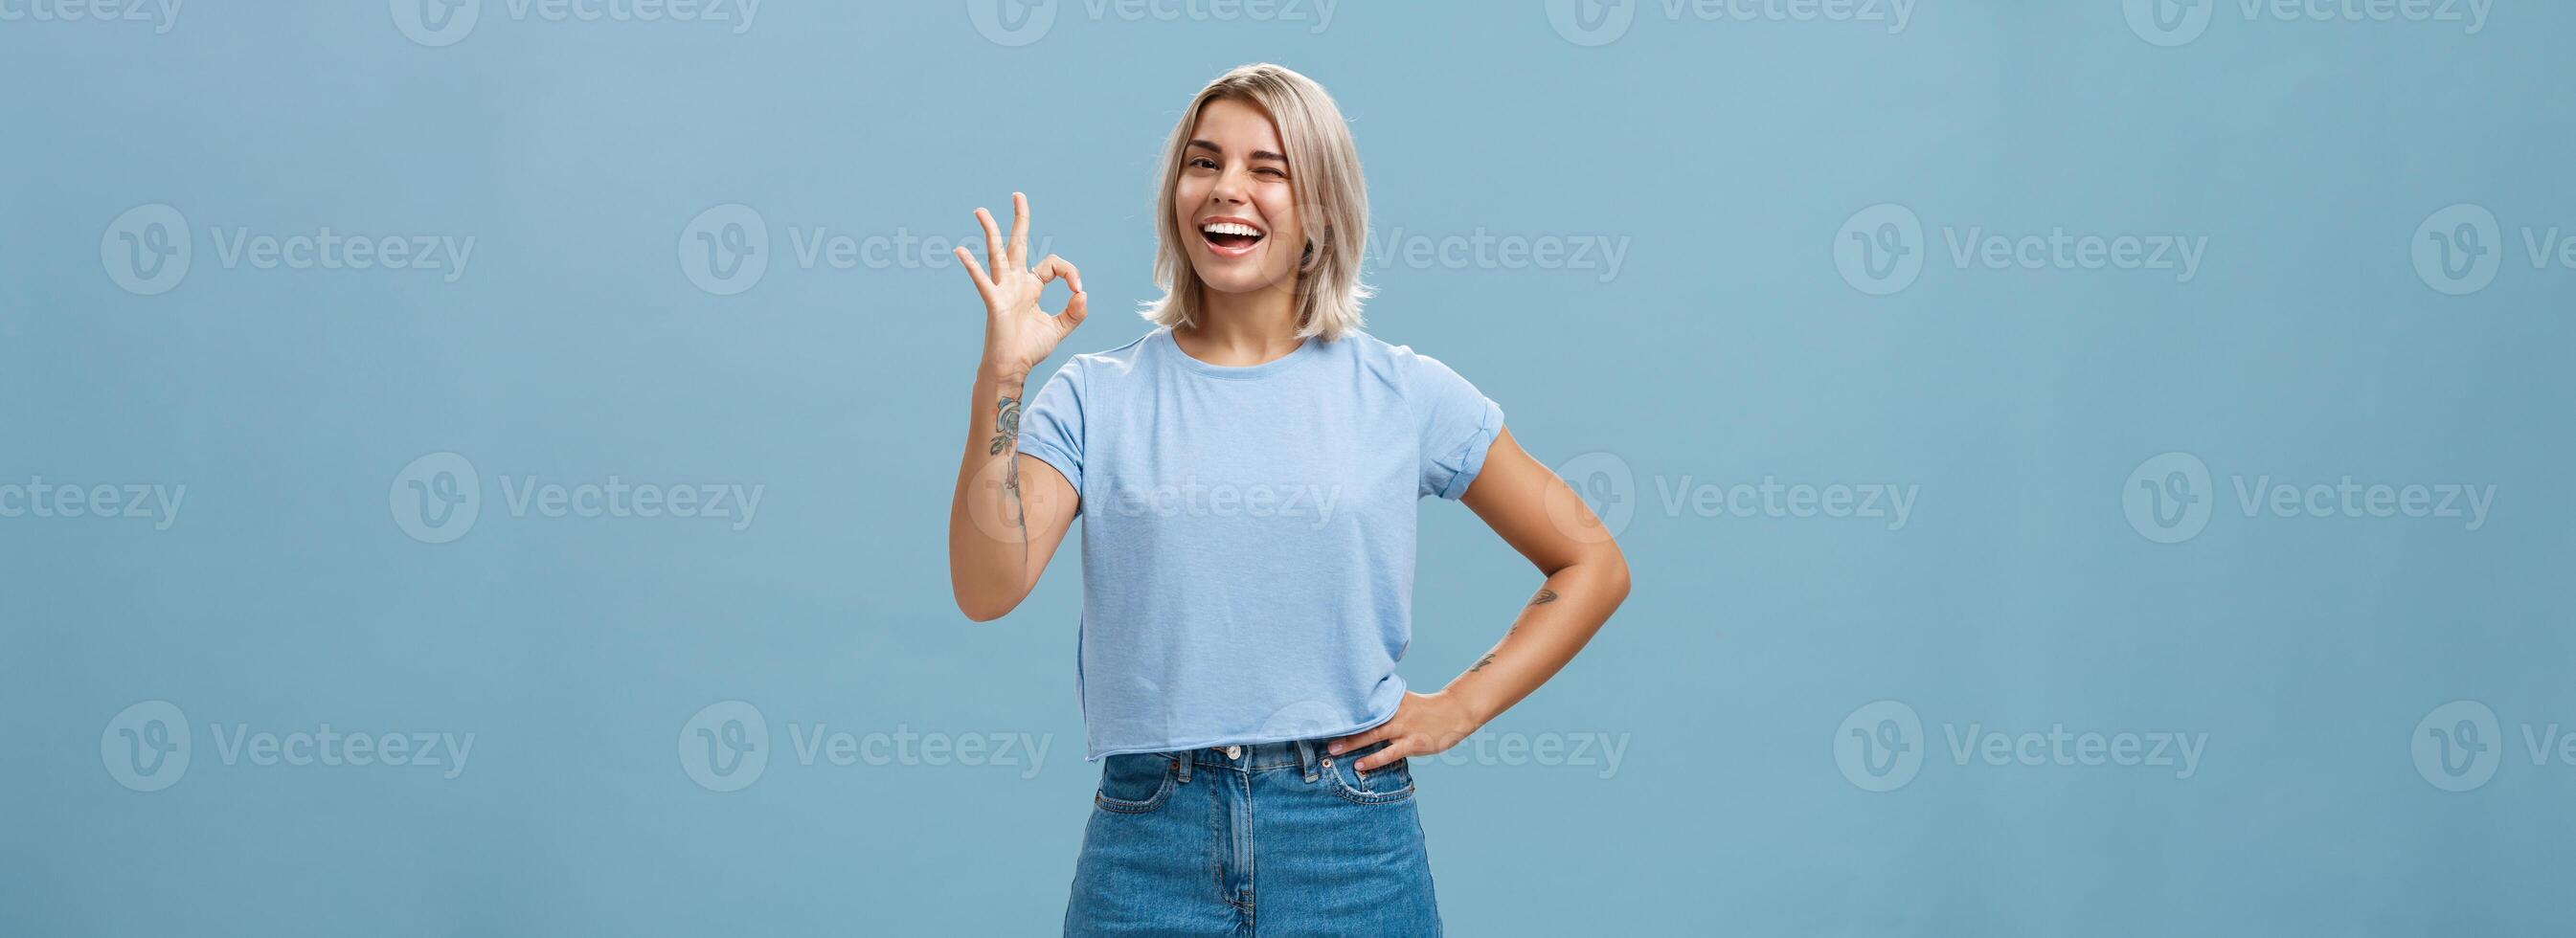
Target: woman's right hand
x: 1017, y: 334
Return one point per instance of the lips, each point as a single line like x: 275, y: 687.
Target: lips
x: 1230, y: 237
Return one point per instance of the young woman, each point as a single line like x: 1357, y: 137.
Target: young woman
x: 1250, y: 472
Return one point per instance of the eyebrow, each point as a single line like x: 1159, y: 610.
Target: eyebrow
x: 1256, y: 154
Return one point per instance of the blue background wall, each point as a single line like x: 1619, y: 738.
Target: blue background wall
x: 1799, y: 701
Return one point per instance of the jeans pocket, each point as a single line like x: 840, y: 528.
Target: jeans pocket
x: 1136, y: 783
x: 1386, y: 784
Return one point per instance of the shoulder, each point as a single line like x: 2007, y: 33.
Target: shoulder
x: 1107, y: 364
x: 1400, y: 367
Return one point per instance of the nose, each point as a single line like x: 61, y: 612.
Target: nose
x: 1228, y: 189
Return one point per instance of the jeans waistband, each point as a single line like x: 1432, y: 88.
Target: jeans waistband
x: 1304, y: 755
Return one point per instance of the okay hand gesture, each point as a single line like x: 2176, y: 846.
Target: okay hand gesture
x: 1017, y: 334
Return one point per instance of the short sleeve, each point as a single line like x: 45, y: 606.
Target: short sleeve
x: 1458, y: 424
x: 1051, y: 426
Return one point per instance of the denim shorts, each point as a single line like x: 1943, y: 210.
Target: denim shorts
x: 1264, y: 839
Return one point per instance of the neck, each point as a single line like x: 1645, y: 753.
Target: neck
x: 1238, y: 329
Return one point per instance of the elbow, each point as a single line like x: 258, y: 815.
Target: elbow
x: 1614, y: 576
x: 981, y: 605
x: 981, y: 609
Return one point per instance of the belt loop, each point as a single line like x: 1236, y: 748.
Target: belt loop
x: 1181, y: 762
x: 1306, y: 758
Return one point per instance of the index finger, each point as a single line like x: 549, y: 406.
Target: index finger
x: 1359, y: 739
x: 1398, y: 749
x: 1019, y: 231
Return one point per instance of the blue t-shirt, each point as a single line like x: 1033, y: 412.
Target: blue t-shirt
x: 1247, y: 533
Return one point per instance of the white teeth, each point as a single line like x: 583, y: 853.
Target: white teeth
x: 1232, y: 228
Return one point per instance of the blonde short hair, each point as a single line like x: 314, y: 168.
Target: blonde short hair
x: 1331, y: 199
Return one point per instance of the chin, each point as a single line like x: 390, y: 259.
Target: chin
x: 1232, y: 276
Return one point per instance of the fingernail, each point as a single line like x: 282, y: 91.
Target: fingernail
x: 1077, y: 285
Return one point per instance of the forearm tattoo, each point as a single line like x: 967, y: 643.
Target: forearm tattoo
x: 1544, y: 597
x: 1006, y: 436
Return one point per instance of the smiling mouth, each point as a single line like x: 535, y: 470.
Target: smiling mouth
x: 1230, y: 239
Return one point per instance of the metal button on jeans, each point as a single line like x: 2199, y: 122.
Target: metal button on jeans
x: 1234, y: 752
